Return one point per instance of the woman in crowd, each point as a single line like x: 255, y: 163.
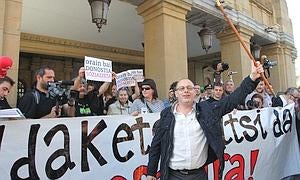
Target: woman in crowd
x: 110, y: 96
x: 122, y: 105
x: 149, y: 102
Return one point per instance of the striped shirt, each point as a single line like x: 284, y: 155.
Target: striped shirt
x: 155, y: 106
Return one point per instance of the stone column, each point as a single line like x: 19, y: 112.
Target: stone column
x: 233, y: 53
x: 10, y: 21
x: 284, y: 74
x: 165, y: 41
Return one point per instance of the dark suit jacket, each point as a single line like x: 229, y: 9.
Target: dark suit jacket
x: 208, y: 116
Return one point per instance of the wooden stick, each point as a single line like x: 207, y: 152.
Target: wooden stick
x: 228, y: 20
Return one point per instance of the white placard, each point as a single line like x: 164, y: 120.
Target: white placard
x: 98, y: 69
x: 124, y: 79
x: 128, y: 78
x: 138, y: 74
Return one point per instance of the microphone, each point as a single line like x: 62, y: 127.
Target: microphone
x: 231, y: 73
x: 66, y: 82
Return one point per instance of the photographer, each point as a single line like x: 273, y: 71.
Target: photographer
x: 85, y: 103
x: 36, y: 103
x: 260, y: 89
x: 256, y: 102
x: 219, y: 68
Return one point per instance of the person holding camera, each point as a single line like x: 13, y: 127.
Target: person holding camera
x: 84, y: 102
x: 260, y: 89
x: 256, y: 102
x: 37, y: 103
x: 219, y: 68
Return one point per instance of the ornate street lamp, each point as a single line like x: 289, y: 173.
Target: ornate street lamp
x: 206, y: 35
x: 255, y: 51
x: 99, y: 10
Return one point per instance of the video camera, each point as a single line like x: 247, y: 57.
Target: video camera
x: 221, y: 67
x: 267, y: 64
x: 57, y: 90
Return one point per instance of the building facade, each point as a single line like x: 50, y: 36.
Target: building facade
x: 60, y: 33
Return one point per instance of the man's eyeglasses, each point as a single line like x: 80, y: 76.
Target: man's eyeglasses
x: 295, y: 97
x: 146, y: 88
x: 182, y: 88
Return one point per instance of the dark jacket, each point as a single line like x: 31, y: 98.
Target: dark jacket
x: 4, y: 104
x: 36, y: 104
x: 208, y: 116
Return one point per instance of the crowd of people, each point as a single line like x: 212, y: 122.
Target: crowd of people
x: 187, y: 105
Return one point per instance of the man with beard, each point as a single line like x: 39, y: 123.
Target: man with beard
x: 260, y: 89
x: 35, y: 103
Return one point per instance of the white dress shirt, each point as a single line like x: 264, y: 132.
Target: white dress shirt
x: 190, y: 144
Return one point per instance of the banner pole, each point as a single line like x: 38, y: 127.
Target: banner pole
x: 228, y: 20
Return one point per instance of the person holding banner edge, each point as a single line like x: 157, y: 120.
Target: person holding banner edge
x: 189, y: 135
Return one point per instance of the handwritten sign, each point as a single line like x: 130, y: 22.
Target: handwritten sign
x: 98, y: 69
x: 128, y: 78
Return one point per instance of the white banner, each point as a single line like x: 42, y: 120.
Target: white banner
x: 98, y: 69
x: 260, y: 145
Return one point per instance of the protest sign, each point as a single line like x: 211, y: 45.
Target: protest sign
x: 124, y: 79
x: 128, y: 78
x: 138, y: 74
x: 98, y: 69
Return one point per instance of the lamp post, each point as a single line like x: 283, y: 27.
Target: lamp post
x: 255, y: 51
x: 205, y: 35
x: 99, y: 10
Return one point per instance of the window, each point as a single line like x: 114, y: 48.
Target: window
x: 21, y: 88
